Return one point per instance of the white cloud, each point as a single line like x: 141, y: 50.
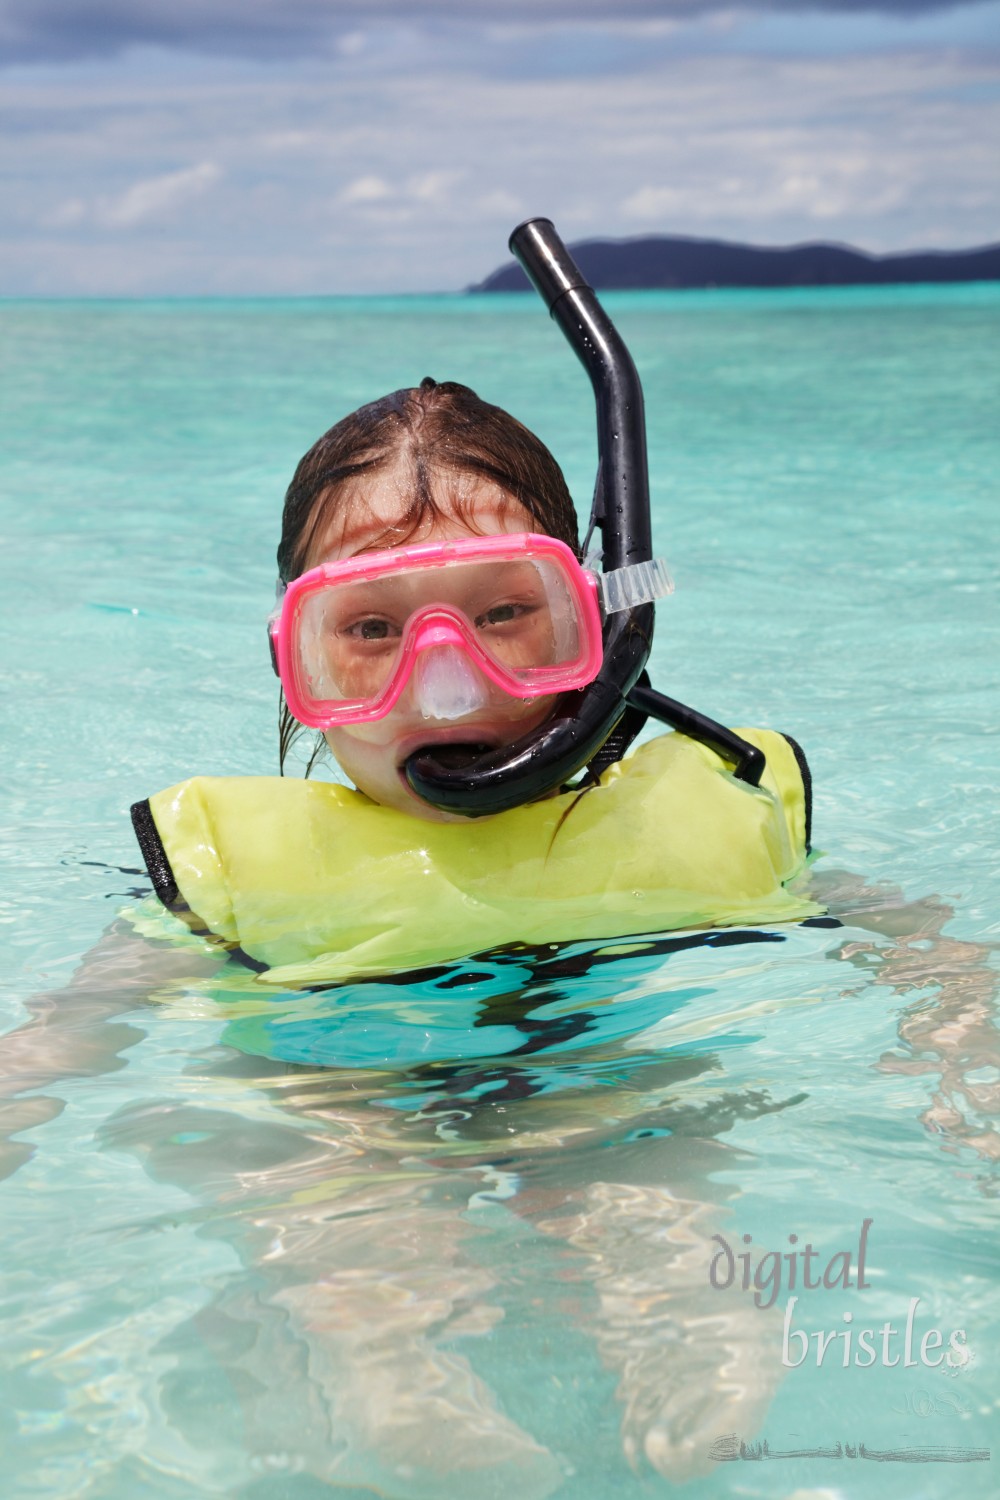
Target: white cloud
x: 352, y: 44
x: 540, y: 29
x: 155, y: 196
x: 432, y: 187
x: 366, y: 190
x: 810, y: 179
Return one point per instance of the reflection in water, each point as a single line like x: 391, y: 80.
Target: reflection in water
x: 390, y: 1223
x: 426, y: 1252
x: 951, y: 1028
x: 392, y: 1244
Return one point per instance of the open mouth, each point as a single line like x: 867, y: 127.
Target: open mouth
x: 453, y: 755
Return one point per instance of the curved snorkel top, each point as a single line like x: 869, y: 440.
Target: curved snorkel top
x: 621, y: 494
x: 583, y: 722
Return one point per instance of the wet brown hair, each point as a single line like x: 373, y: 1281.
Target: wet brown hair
x: 437, y: 428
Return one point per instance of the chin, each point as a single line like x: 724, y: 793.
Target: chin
x: 418, y: 808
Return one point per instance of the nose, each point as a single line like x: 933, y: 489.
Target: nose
x: 446, y: 685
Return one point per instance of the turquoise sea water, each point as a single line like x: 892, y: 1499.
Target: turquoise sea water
x: 452, y: 1234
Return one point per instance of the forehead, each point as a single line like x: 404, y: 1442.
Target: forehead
x: 393, y: 508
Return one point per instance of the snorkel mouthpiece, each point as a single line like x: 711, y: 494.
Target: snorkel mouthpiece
x: 541, y: 761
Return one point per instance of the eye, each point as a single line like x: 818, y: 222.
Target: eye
x: 371, y: 628
x: 502, y: 614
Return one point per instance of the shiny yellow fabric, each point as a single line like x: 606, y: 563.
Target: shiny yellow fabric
x: 319, y: 883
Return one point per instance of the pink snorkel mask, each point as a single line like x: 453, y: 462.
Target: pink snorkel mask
x: 448, y: 619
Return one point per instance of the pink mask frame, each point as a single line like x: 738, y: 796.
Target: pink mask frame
x: 437, y: 625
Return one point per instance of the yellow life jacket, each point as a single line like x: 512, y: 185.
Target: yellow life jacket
x: 317, y: 883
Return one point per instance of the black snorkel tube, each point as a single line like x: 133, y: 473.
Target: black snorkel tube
x: 594, y: 726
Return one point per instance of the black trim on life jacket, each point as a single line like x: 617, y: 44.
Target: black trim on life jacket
x: 153, y: 852
x: 807, y: 784
x: 595, y: 726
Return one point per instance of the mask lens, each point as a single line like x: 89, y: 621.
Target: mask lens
x: 522, y: 613
x: 349, y: 637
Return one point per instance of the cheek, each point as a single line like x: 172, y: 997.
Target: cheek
x: 534, y: 711
x: 371, y: 766
x: 359, y: 739
x: 513, y: 717
x: 365, y: 752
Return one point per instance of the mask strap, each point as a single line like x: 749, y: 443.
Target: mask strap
x: 280, y: 590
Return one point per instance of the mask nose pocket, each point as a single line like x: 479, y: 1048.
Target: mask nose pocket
x: 446, y: 684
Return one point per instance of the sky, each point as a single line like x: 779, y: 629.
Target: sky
x: 302, y: 147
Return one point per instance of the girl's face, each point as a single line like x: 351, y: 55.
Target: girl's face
x: 373, y: 755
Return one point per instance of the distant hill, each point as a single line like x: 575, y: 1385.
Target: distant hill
x: 674, y: 261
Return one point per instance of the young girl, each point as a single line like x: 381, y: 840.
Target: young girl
x: 433, y: 611
x: 430, y: 465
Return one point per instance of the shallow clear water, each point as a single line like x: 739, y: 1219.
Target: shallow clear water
x: 452, y: 1234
